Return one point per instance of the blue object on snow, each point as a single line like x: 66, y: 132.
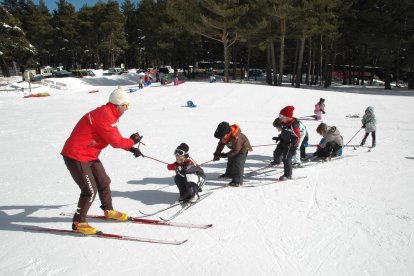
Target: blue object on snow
x: 132, y: 90
x: 190, y: 104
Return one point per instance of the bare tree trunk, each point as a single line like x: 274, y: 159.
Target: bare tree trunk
x: 309, y: 62
x: 282, y: 49
x: 272, y: 53
x: 325, y: 65
x: 268, y: 66
x: 295, y: 63
x: 248, y: 62
x: 321, y: 60
x: 234, y: 56
x: 226, y: 63
x: 300, y: 61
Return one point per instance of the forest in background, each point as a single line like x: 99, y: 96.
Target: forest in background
x: 305, y: 38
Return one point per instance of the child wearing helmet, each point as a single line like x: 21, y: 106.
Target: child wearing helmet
x: 189, y: 177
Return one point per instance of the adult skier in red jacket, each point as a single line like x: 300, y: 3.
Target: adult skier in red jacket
x: 95, y: 131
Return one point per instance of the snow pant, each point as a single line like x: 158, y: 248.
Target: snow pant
x: 91, y: 178
x: 373, y: 134
x: 299, y: 153
x: 318, y: 115
x: 330, y: 150
x: 188, y: 187
x: 284, y: 153
x: 303, y: 147
x: 235, y: 167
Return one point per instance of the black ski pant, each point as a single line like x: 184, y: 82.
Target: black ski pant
x: 373, y: 134
x: 303, y: 147
x: 284, y: 153
x: 91, y: 179
x: 189, y: 188
x: 235, y: 167
x: 330, y: 150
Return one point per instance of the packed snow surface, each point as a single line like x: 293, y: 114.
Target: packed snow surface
x: 352, y: 216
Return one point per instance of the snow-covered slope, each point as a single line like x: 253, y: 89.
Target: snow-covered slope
x: 348, y: 217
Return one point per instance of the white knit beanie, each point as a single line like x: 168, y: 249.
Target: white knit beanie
x: 119, y: 97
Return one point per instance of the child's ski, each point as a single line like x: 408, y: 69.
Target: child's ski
x: 272, y: 182
x: 185, y: 206
x: 159, y: 210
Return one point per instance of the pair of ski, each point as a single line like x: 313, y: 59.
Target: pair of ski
x: 184, y: 206
x: 123, y: 237
x: 369, y: 148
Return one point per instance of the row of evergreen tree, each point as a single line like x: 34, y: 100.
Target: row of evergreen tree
x: 302, y: 37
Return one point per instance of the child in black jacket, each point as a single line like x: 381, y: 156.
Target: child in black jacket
x: 190, y: 177
x: 288, y: 140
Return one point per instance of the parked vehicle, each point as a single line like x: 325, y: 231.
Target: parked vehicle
x: 62, y: 74
x: 83, y: 73
x: 115, y: 71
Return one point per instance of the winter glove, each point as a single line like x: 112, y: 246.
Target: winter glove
x: 363, y: 126
x: 216, y: 157
x: 323, y: 112
x: 276, y: 138
x: 223, y: 155
x: 136, y: 152
x: 171, y: 167
x: 136, y: 137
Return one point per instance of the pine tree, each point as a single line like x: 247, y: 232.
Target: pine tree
x: 219, y: 21
x: 112, y: 32
x: 14, y: 45
x: 64, y: 22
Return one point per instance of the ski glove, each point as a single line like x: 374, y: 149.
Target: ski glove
x: 171, y: 167
x: 136, y: 152
x: 363, y: 126
x: 223, y: 155
x: 323, y: 112
x: 216, y: 157
x: 276, y: 138
x: 136, y: 137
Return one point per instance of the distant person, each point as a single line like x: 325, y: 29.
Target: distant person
x: 319, y: 109
x: 331, y: 143
x: 213, y: 78
x: 176, y: 79
x: 95, y: 131
x: 190, y: 177
x: 369, y: 123
x: 288, y: 139
x: 232, y: 137
x: 140, y: 82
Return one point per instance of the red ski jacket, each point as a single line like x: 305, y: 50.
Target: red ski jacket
x: 95, y: 131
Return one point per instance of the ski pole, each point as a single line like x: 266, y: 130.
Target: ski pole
x: 263, y: 145
x: 146, y: 156
x: 206, y: 162
x: 353, y: 137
